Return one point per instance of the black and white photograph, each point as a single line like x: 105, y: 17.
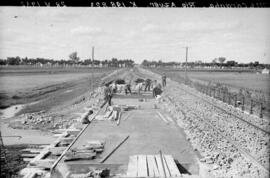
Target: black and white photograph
x: 125, y: 92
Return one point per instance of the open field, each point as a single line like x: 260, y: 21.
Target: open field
x: 26, y: 85
x: 21, y: 69
x: 236, y: 80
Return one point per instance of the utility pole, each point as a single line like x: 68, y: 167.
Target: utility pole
x: 93, y: 51
x: 186, y: 64
x: 92, y: 77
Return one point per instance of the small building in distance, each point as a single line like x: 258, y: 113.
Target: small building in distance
x: 265, y: 71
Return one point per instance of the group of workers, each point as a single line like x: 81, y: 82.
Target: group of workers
x: 148, y: 83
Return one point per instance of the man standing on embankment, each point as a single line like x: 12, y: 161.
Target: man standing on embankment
x: 163, y: 78
x: 107, y: 95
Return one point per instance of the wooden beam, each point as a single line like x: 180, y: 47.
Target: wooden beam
x: 174, y: 171
x: 110, y: 153
x: 163, y: 118
x: 132, y: 166
x: 152, y: 166
x: 142, y: 166
x: 119, y: 118
x: 159, y: 165
x: 32, y: 150
x: 57, y: 150
x: 29, y: 155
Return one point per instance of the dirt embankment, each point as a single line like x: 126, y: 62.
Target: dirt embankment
x: 55, y: 106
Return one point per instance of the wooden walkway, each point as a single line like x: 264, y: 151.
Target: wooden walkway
x: 152, y: 166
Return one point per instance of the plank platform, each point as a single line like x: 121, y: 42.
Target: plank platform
x: 151, y: 166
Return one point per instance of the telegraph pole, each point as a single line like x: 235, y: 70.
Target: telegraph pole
x: 93, y: 52
x: 92, y: 77
x: 186, y: 64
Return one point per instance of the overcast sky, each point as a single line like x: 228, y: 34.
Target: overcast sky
x: 136, y: 33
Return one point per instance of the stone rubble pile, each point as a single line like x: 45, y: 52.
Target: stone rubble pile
x: 208, y: 129
x: 57, y: 120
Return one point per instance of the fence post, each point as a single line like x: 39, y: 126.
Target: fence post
x: 235, y: 100
x: 229, y: 98
x: 243, y: 103
x: 214, y: 92
x: 251, y: 107
x: 223, y: 97
x: 261, y: 111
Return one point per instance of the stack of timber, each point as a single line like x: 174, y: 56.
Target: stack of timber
x: 152, y: 166
x: 39, y: 161
x: 88, y: 151
x: 29, y: 153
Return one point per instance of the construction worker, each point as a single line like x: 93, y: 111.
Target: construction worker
x: 157, y: 91
x: 154, y: 84
x: 108, y: 93
x: 127, y: 88
x: 163, y: 79
x: 147, y: 84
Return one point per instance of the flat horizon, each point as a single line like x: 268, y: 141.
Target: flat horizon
x: 156, y: 34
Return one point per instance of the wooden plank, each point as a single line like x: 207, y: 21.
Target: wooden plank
x: 74, y: 156
x: 164, y: 165
x: 108, y: 114
x: 172, y: 166
x: 168, y: 118
x: 28, y: 170
x: 132, y: 166
x: 168, y: 173
x: 119, y: 118
x: 163, y: 118
x: 27, y: 159
x: 113, y: 116
x: 142, y: 166
x: 41, y: 155
x: 32, y: 150
x: 47, y: 163
x: 43, y: 146
x: 111, y: 152
x: 30, y: 175
x: 57, y: 150
x: 29, y: 155
x: 152, y: 166
x: 160, y: 167
x: 73, y: 131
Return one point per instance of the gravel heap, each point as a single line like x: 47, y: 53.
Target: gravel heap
x: 218, y: 135
x: 263, y: 123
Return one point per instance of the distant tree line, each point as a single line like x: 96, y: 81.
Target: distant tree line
x: 216, y: 63
x: 73, y: 60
